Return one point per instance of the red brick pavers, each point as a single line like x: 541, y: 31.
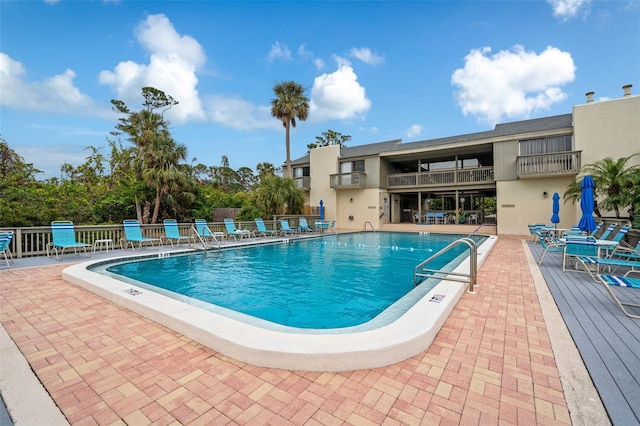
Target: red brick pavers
x: 491, y: 363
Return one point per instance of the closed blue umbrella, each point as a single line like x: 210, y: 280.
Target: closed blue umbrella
x: 555, y: 218
x: 587, y: 222
x: 321, y: 210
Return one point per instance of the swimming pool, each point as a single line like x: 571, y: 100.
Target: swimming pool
x: 342, y: 281
x: 403, y: 330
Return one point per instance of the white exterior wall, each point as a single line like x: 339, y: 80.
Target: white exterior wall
x: 323, y: 162
x: 522, y: 201
x: 363, y: 208
x: 608, y: 129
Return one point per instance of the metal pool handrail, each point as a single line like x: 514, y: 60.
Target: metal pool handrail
x: 420, y: 273
x: 204, y: 244
x: 370, y: 224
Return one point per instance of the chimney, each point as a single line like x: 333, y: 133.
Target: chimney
x: 589, y: 96
x: 627, y: 89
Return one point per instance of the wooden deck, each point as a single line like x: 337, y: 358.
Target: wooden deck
x: 608, y: 340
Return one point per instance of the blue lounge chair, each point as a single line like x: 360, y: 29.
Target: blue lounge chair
x: 609, y: 280
x: 537, y: 230
x: 304, y: 225
x: 579, y: 246
x: 234, y: 232
x: 611, y: 264
x: 626, y: 252
x: 321, y: 225
x: 64, y: 237
x: 550, y: 245
x: 595, y: 231
x: 5, y: 242
x: 262, y: 229
x: 608, y: 231
x: 205, y: 234
x: 172, y: 232
x: 622, y: 232
x: 286, y: 229
x: 133, y: 235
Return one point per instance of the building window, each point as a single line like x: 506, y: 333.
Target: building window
x: 548, y: 145
x: 352, y: 166
x: 301, y: 171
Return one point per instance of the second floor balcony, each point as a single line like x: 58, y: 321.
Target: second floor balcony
x: 556, y: 164
x: 303, y: 183
x: 348, y: 180
x: 451, y: 177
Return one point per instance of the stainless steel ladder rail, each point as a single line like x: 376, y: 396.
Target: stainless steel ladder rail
x: 370, y: 224
x: 204, y: 243
x: 420, y: 273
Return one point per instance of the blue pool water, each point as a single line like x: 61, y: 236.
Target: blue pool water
x: 331, y: 282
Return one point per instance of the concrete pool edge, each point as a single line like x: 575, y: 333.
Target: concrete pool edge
x: 407, y: 336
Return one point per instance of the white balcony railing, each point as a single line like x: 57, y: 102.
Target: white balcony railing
x: 562, y: 163
x: 303, y: 182
x: 441, y: 178
x: 348, y: 180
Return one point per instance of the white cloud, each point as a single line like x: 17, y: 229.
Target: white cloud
x: 172, y: 68
x: 415, y: 130
x: 239, y: 114
x: 338, y: 95
x: 567, y: 9
x: 319, y: 63
x: 512, y: 83
x: 367, y: 56
x: 54, y: 94
x: 279, y: 51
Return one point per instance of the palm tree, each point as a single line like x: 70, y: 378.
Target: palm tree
x: 277, y: 196
x: 614, y: 180
x: 289, y: 104
x: 165, y: 171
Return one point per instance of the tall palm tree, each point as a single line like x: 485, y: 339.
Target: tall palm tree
x: 165, y: 172
x: 614, y: 180
x: 289, y: 104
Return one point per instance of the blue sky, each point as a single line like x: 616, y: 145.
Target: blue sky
x: 376, y: 71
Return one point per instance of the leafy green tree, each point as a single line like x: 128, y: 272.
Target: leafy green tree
x: 21, y: 195
x: 277, y: 196
x: 614, y: 181
x: 156, y: 160
x: 265, y: 169
x: 330, y: 137
x: 289, y: 104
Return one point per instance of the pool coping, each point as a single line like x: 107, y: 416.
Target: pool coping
x: 412, y: 333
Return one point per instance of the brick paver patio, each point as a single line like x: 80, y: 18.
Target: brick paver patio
x: 491, y: 363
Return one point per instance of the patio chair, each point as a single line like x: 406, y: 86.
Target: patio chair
x: 622, y: 232
x: 537, y: 230
x: 304, y: 225
x: 172, y: 232
x: 626, y: 252
x: 5, y: 242
x: 133, y: 235
x: 205, y: 233
x: 607, y: 231
x: 579, y: 246
x: 234, y: 232
x: 320, y: 225
x: 595, y: 231
x: 262, y: 229
x: 64, y: 237
x: 286, y: 229
x: 550, y: 245
x: 609, y: 280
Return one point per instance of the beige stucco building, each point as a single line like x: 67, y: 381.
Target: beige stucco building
x: 505, y: 176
